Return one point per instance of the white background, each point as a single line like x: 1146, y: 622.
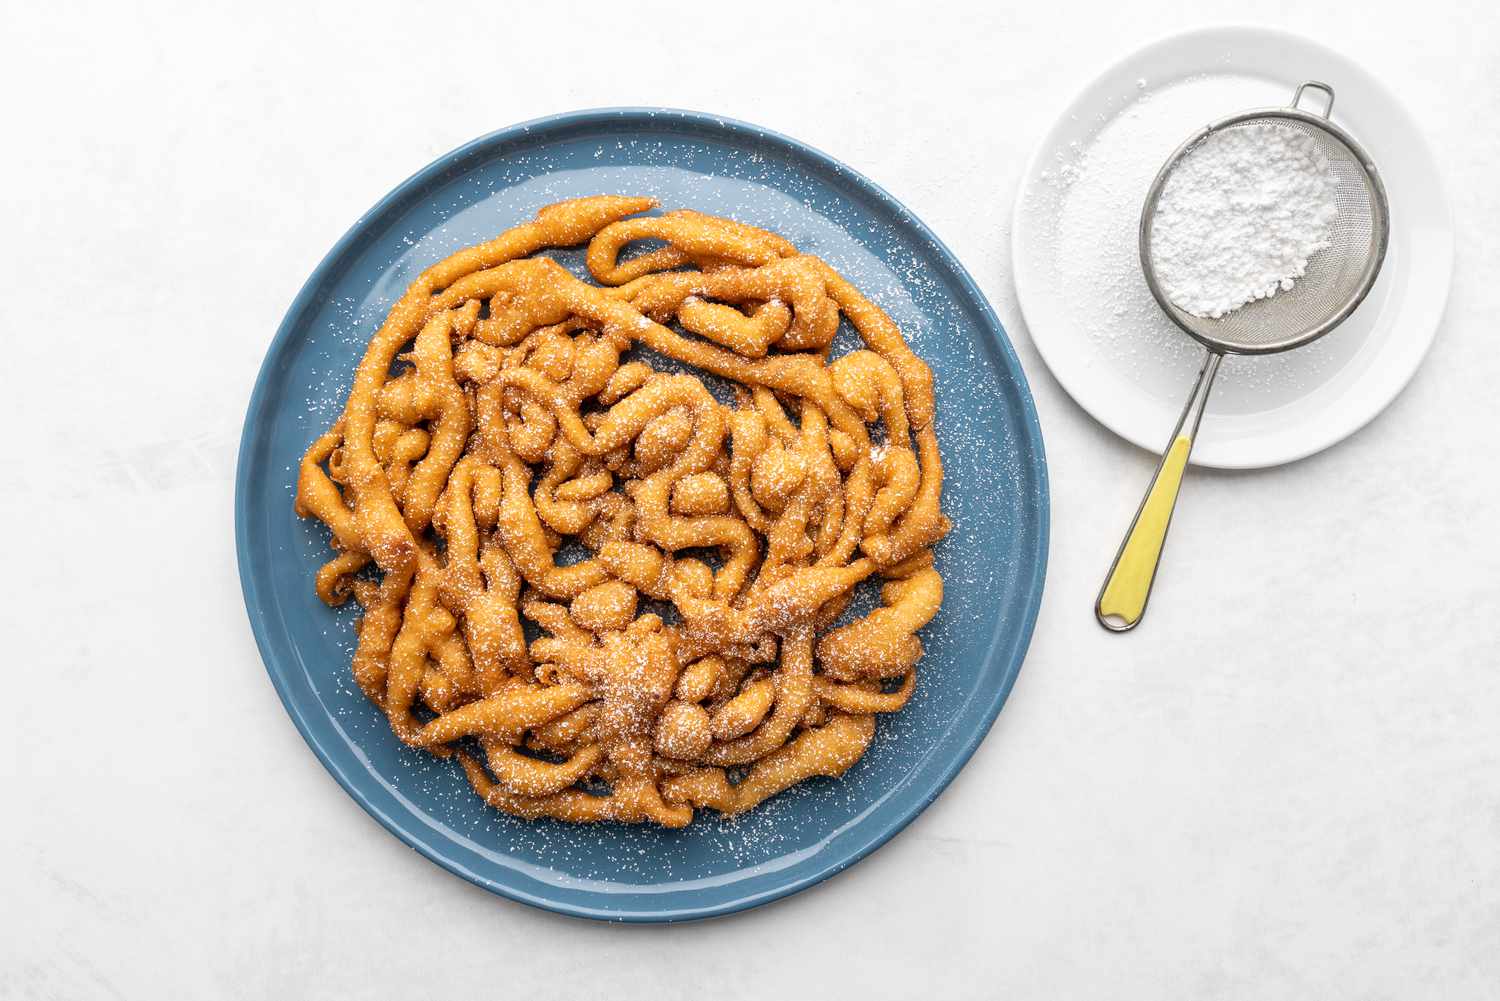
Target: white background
x: 1286, y: 784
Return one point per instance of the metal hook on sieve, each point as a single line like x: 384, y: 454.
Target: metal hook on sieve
x: 1316, y: 85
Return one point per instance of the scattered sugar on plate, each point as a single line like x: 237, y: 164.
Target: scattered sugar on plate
x: 982, y: 443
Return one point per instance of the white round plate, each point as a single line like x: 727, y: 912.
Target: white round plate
x: 1078, y: 277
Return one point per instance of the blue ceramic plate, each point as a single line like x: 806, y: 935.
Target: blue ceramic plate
x: 995, y: 492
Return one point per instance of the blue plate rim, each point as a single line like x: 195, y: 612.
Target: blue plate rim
x: 701, y: 122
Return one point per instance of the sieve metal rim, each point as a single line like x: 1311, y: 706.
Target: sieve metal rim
x: 1372, y: 265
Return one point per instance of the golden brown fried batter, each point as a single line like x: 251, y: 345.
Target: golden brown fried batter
x: 515, y: 427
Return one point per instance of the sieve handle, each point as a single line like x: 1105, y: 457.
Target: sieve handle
x: 1315, y: 85
x: 1122, y: 599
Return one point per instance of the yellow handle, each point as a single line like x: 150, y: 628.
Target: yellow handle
x: 1122, y: 599
x: 1122, y: 602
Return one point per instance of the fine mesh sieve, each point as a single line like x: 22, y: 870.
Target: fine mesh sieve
x: 1338, y: 278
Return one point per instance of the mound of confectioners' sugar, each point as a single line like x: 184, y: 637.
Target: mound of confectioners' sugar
x: 1239, y: 216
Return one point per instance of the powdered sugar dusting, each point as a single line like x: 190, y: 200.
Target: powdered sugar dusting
x: 990, y: 493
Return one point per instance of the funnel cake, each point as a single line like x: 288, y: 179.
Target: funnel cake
x: 686, y: 651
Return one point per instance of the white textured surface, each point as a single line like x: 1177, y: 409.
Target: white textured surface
x: 1287, y: 784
